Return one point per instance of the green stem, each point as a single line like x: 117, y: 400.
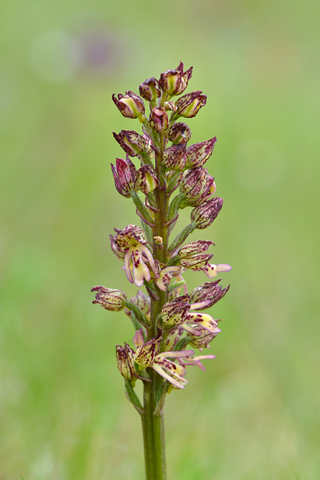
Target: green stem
x: 153, y: 436
x: 152, y: 417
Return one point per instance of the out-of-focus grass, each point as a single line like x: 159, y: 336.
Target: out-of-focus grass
x: 255, y: 413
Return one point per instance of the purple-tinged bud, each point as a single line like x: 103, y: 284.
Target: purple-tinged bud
x: 125, y: 360
x: 208, y: 293
x: 146, y: 353
x: 175, y: 312
x: 130, y: 104
x: 130, y: 234
x: 197, y: 262
x: 193, y: 184
x: 194, y: 248
x: 131, y: 142
x: 205, y: 337
x: 147, y: 179
x: 205, y: 214
x: 150, y: 90
x: 189, y: 105
x: 179, y: 132
x: 142, y: 301
x: 174, y: 157
x: 198, y: 154
x: 175, y: 81
x: 159, y: 119
x: 124, y: 174
x: 109, y: 298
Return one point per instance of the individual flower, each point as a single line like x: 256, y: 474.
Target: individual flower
x: 204, y: 337
x: 131, y: 241
x: 179, y: 132
x: 130, y: 105
x: 146, y: 180
x: 159, y: 119
x: 198, y: 154
x: 174, y: 157
x: 193, y: 184
x: 175, y: 81
x: 124, y: 174
x: 147, y: 355
x: 109, y: 298
x: 125, y: 361
x: 189, y: 105
x: 131, y: 142
x: 149, y: 89
x: 204, y: 214
x: 207, y: 294
x: 191, y: 255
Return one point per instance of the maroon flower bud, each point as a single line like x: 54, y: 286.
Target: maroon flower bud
x: 189, y: 105
x: 193, y: 184
x: 194, y: 248
x: 159, y: 119
x: 179, y: 133
x: 175, y: 312
x: 204, y: 214
x: 198, y: 154
x: 174, y: 157
x: 130, y: 104
x: 149, y: 89
x: 124, y: 174
x: 209, y: 292
x: 147, y: 179
x: 109, y: 298
x: 175, y: 81
x: 131, y: 142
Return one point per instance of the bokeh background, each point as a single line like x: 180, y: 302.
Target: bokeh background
x: 254, y: 414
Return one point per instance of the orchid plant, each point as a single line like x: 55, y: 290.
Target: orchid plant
x: 168, y: 321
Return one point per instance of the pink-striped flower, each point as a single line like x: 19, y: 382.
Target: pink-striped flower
x: 132, y: 242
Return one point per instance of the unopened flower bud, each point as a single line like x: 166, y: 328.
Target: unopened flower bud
x: 175, y: 81
x: 159, y: 119
x: 205, y: 214
x: 179, y: 132
x: 130, y: 104
x: 124, y: 174
x: 189, y: 105
x: 198, y: 154
x: 209, y: 292
x: 149, y: 89
x: 109, y: 298
x: 174, y: 157
x: 193, y: 184
x: 142, y: 301
x: 125, y: 360
x: 131, y: 142
x: 194, y: 248
x: 174, y: 312
x: 147, y: 179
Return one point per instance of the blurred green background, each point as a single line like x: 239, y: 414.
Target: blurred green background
x: 254, y: 414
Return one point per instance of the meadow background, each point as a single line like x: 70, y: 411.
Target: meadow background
x: 254, y: 415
